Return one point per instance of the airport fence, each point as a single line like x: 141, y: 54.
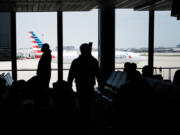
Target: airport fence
x: 166, y: 72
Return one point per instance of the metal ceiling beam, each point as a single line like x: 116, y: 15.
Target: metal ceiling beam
x: 80, y: 5
x: 150, y: 5
x: 131, y: 3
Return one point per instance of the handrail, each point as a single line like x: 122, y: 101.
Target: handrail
x: 30, y: 69
x: 55, y: 69
x: 158, y: 68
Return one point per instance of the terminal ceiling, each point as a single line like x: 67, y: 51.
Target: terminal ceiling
x: 81, y: 5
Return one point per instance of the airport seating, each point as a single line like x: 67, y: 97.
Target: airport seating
x: 8, y: 78
x: 2, y: 75
x: 157, y: 84
x: 158, y: 76
x: 162, y: 89
x: 113, y: 84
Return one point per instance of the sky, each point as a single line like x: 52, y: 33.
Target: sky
x: 80, y: 27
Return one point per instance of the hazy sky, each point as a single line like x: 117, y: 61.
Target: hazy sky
x: 80, y: 27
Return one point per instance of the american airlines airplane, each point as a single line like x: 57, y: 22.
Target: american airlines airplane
x: 69, y: 55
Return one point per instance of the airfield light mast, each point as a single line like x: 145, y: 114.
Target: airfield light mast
x: 42, y: 38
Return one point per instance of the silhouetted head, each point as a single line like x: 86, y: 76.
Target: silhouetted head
x: 86, y: 49
x: 127, y: 67
x: 45, y: 47
x: 134, y: 66
x: 147, y: 71
x: 176, y: 79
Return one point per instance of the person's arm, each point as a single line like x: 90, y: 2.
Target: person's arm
x: 99, y: 77
x: 71, y: 74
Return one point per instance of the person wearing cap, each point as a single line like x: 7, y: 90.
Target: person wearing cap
x: 44, y: 66
x: 85, y: 70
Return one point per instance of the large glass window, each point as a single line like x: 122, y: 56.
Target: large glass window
x: 131, y: 37
x: 78, y: 28
x: 5, y: 43
x: 167, y: 41
x: 41, y: 27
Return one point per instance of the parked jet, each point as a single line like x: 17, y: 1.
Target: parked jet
x: 69, y: 55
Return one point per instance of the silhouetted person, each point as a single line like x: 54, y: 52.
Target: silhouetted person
x: 65, y: 111
x: 176, y: 79
x: 3, y: 92
x: 44, y: 66
x: 2, y: 86
x: 133, y: 66
x: 127, y: 67
x: 133, y: 103
x: 147, y: 71
x: 84, y: 70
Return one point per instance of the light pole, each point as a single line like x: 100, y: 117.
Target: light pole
x: 42, y: 38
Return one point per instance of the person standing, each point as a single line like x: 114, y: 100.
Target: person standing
x: 44, y: 66
x: 85, y: 70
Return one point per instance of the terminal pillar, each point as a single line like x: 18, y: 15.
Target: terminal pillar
x: 106, y: 40
x: 13, y: 46
x: 151, y: 40
x: 60, y: 44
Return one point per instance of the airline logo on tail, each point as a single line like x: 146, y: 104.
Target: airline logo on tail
x: 36, y: 45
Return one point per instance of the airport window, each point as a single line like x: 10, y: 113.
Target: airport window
x: 34, y: 29
x: 5, y: 44
x: 131, y: 37
x: 166, y: 44
x: 78, y: 28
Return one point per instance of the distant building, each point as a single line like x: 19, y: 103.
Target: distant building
x: 157, y: 49
x: 68, y: 48
x: 178, y: 46
x: 176, y: 49
x: 163, y: 49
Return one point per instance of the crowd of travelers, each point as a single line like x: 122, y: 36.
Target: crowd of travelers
x: 144, y: 104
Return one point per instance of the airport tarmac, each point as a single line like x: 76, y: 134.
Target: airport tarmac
x: 31, y: 64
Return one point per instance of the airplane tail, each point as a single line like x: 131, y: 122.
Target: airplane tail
x: 36, y: 45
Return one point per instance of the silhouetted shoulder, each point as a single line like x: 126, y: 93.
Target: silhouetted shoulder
x: 81, y: 59
x: 75, y: 60
x: 93, y: 58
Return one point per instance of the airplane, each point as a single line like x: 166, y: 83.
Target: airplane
x: 69, y: 55
x: 122, y: 57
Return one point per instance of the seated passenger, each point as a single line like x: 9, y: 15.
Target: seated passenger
x: 2, y: 86
x: 127, y: 67
x: 176, y: 80
x: 133, y: 66
x: 147, y: 71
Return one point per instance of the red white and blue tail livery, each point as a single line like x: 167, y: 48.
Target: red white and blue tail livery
x: 36, y: 45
